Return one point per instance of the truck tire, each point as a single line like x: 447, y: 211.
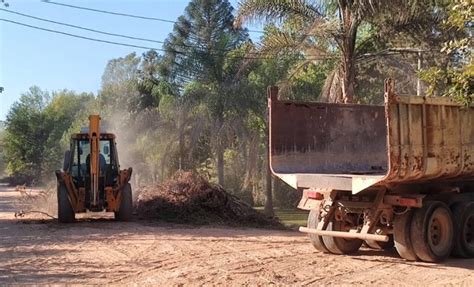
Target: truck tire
x: 316, y: 240
x: 463, y: 221
x: 381, y: 245
x: 432, y: 232
x: 339, y: 245
x: 401, y: 236
x: 126, y: 204
x: 65, y: 212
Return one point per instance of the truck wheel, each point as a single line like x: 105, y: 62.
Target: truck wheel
x: 65, y: 212
x: 401, y: 236
x: 432, y: 232
x: 316, y: 240
x: 463, y: 221
x: 339, y: 245
x: 381, y: 245
x: 126, y: 204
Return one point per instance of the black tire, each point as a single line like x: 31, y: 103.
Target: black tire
x: 339, y: 245
x: 316, y: 240
x: 65, y: 212
x: 401, y: 236
x: 126, y: 204
x: 432, y: 232
x: 381, y: 245
x: 463, y: 221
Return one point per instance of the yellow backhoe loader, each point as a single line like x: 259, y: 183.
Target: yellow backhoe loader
x: 91, y: 179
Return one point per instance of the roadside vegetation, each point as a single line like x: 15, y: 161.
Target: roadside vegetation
x: 201, y: 105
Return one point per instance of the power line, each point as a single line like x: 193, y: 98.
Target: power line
x: 112, y: 42
x: 144, y: 47
x: 109, y: 12
x: 106, y: 41
x: 120, y: 14
x: 82, y: 28
x: 98, y: 31
x: 80, y: 37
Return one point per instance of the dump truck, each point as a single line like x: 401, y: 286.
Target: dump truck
x: 397, y: 175
x: 91, y: 179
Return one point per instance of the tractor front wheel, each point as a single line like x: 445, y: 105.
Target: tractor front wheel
x: 126, y: 204
x: 65, y: 212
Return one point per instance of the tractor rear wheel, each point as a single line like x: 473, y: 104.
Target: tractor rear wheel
x: 65, y: 212
x: 463, y: 219
x: 432, y: 232
x: 401, y: 235
x: 340, y: 245
x: 126, y: 204
x: 316, y: 240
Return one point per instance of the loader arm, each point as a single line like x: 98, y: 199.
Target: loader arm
x: 94, y: 137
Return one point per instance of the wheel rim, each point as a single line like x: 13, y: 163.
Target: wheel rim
x: 439, y: 231
x: 435, y: 231
x: 468, y: 231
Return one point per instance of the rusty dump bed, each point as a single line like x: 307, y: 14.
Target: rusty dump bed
x: 354, y: 147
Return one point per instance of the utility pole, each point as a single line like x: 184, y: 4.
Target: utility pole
x: 418, y: 82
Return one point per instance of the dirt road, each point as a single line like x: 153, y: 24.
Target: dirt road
x: 100, y: 251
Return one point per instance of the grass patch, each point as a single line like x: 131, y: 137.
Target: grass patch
x: 290, y: 216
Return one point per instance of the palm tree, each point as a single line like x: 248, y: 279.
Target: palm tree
x: 321, y: 29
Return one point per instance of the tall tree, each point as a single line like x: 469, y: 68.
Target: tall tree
x: 322, y: 29
x: 198, y: 50
x: 457, y: 80
x: 26, y: 135
x: 34, y: 128
x: 119, y: 85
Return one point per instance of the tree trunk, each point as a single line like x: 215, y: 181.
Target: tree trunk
x: 220, y: 164
x: 181, y: 139
x: 350, y: 24
x: 268, y: 186
x: 251, y: 163
x: 220, y: 150
x: 348, y: 80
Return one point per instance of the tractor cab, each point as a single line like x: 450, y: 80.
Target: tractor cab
x: 78, y: 164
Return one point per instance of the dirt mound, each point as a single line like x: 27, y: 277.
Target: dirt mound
x: 190, y: 198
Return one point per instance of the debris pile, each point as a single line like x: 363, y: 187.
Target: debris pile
x: 190, y: 198
x: 39, y: 202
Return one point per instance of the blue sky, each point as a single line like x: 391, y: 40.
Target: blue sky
x: 53, y: 62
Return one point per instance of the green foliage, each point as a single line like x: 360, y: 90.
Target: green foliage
x: 34, y: 128
x: 61, y: 113
x: 323, y: 30
x: 201, y: 39
x: 457, y: 80
x: 25, y: 135
x: 202, y: 59
x: 202, y: 105
x: 119, y: 85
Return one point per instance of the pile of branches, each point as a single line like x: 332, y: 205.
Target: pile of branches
x: 42, y: 201
x: 190, y: 198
